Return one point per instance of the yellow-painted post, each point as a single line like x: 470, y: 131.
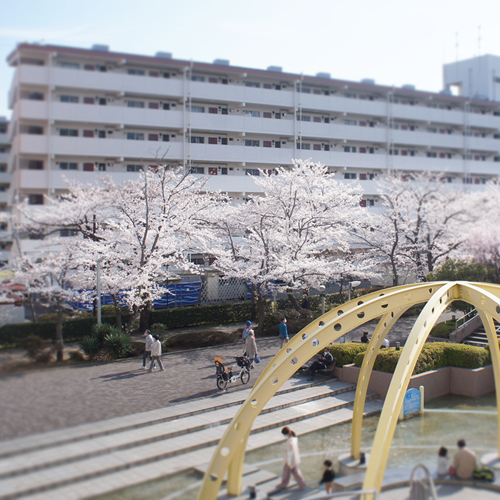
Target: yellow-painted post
x: 395, y: 396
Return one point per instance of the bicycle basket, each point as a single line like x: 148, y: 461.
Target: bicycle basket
x: 242, y: 361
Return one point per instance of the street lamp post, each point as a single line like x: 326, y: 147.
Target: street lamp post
x: 353, y: 284
x: 98, y: 288
x: 322, y: 294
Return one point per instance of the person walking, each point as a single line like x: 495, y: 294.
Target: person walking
x: 292, y: 460
x: 147, y: 348
x: 328, y: 476
x: 246, y: 331
x: 156, y: 353
x: 251, y: 347
x: 283, y: 336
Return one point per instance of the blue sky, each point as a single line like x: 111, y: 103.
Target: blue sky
x: 394, y: 42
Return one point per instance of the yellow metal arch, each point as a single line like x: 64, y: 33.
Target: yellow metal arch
x: 390, y: 304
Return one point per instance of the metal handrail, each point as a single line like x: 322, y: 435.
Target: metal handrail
x: 472, y: 315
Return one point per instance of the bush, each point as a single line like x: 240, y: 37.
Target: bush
x: 295, y: 322
x: 76, y: 356
x: 34, y: 346
x: 191, y: 340
x: 159, y: 329
x: 433, y: 356
x: 116, y: 344
x: 443, y: 330
x: 346, y: 353
x: 90, y: 346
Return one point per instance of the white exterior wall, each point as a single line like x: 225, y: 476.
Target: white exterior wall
x: 425, y: 131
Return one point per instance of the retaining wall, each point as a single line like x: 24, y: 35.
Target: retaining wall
x: 437, y: 383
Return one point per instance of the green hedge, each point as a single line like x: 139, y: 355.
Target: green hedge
x: 346, y: 353
x: 443, y: 330
x: 75, y: 329
x: 192, y: 340
x: 433, y: 356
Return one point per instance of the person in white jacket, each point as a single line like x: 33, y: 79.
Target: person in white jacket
x: 156, y: 353
x: 292, y: 460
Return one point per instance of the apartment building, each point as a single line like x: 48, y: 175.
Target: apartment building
x: 79, y: 113
x: 5, y: 178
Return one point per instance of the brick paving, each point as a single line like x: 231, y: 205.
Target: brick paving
x: 47, y: 399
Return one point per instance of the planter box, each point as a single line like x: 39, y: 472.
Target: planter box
x: 437, y: 383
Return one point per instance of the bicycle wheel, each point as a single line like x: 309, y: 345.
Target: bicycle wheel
x: 245, y: 376
x: 221, y: 383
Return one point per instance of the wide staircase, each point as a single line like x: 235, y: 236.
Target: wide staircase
x: 102, y: 457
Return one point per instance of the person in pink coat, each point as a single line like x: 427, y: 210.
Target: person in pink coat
x: 292, y: 460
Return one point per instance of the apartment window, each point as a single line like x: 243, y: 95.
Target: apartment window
x: 304, y: 118
x: 135, y: 104
x: 350, y: 95
x: 252, y: 171
x: 198, y: 109
x: 68, y: 132
x: 35, y: 130
x: 496, y: 158
x: 350, y: 122
x: 433, y: 130
x: 431, y: 154
x: 102, y: 101
x: 134, y: 168
x: 267, y: 86
x: 212, y: 140
x: 35, y: 199
x: 135, y: 136
x: 317, y: 147
x: 224, y: 81
x: 394, y: 152
x: 223, y: 141
x: 166, y: 106
x: 317, y: 91
x: 132, y: 71
x: 101, y: 134
x: 348, y: 175
x: 267, y: 114
x: 223, y: 171
x: 166, y: 138
x: 154, y: 74
x: 349, y: 149
x: 412, y: 153
x: 267, y: 144
x: 88, y: 100
x: 70, y: 65
x: 212, y: 170
x: 66, y: 233
x: 89, y: 67
x: 197, y: 170
x: 303, y: 145
x: 317, y: 119
x: 255, y: 114
x: 68, y: 166
x: 69, y: 98
x: 88, y: 167
x: 306, y: 90
x: 213, y: 111
x: 252, y: 142
x: 88, y: 133
x: 362, y: 177
x: 277, y: 144
x: 35, y: 96
x: 35, y: 165
x: 197, y: 78
x: 197, y: 140
x: 326, y: 147
x: 101, y: 167
x: 166, y: 75
x: 153, y: 137
x: 252, y: 84
x: 370, y: 203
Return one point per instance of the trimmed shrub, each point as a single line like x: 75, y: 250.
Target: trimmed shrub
x: 191, y: 340
x: 443, y: 330
x: 90, y: 346
x: 346, y: 353
x: 433, y: 356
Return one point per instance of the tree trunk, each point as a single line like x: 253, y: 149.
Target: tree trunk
x: 395, y: 277
x: 133, y: 317
x: 59, y: 336
x: 118, y: 311
x: 261, y: 311
x: 294, y: 302
x: 145, y: 317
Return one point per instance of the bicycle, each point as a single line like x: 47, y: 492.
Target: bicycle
x: 225, y: 373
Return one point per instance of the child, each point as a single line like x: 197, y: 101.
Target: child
x: 443, y: 464
x: 328, y: 476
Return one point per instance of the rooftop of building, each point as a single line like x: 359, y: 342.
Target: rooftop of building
x: 165, y: 59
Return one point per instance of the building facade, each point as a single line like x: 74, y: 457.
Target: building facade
x: 79, y: 113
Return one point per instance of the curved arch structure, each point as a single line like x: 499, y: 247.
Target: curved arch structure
x: 388, y: 304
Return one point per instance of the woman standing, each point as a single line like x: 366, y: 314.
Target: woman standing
x: 292, y: 460
x: 251, y: 347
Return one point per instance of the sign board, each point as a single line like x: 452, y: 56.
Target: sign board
x: 411, y: 402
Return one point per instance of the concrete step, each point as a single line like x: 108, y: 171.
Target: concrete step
x: 138, y: 420
x: 154, y: 433
x: 152, y: 471
x: 32, y: 472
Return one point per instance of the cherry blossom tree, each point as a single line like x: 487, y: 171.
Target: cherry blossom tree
x: 291, y: 237
x: 143, y: 230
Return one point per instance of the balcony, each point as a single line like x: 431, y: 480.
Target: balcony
x: 4, y: 139
x: 4, y: 158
